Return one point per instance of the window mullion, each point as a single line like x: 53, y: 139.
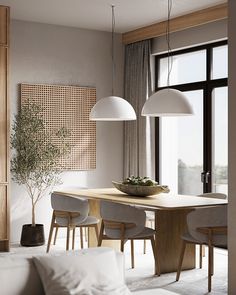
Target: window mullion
x: 207, y: 142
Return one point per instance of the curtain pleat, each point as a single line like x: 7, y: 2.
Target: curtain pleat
x: 138, y: 135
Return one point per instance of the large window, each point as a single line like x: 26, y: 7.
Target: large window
x: 192, y: 151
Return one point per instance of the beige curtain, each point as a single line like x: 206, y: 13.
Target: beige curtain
x: 139, y: 157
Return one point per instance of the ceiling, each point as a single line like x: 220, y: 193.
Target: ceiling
x: 96, y: 14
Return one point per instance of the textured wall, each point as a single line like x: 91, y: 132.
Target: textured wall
x: 60, y: 55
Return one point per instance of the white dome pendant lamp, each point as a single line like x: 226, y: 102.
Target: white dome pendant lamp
x: 168, y: 101
x: 112, y: 108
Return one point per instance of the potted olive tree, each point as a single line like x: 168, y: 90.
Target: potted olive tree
x: 35, y: 162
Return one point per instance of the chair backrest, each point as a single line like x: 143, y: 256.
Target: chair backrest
x: 121, y: 213
x: 204, y: 217
x: 214, y: 195
x: 70, y: 204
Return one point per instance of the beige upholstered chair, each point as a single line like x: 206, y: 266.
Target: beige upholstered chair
x: 70, y: 212
x: 124, y: 222
x: 206, y: 226
x: 208, y: 195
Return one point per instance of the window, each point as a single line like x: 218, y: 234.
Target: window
x: 192, y: 151
x: 186, y: 68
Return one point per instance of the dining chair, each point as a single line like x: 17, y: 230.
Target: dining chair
x: 206, y: 226
x: 208, y: 195
x: 124, y: 222
x: 70, y: 212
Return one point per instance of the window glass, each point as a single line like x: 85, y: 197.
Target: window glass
x: 220, y: 62
x: 182, y: 148
x: 220, y: 140
x: 185, y: 68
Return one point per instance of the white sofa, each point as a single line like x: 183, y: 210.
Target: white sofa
x: 19, y: 275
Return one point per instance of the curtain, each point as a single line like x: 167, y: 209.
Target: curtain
x: 139, y: 159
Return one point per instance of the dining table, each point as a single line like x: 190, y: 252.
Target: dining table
x: 170, y: 220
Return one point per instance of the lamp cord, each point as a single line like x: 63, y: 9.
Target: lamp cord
x: 112, y: 47
x: 169, y: 57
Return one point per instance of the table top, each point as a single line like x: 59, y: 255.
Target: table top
x: 164, y: 201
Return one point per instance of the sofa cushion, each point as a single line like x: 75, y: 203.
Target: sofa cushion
x: 95, y: 250
x: 19, y: 276
x: 82, y: 274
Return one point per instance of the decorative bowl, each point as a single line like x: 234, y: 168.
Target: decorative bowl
x: 140, y: 190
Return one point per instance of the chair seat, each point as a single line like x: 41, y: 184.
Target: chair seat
x: 146, y: 233
x: 89, y: 221
x: 187, y: 237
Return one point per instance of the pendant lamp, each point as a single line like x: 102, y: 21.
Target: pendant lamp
x: 112, y: 108
x: 168, y: 101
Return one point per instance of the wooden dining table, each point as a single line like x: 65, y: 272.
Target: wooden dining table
x: 170, y: 220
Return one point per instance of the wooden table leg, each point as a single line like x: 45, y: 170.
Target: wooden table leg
x: 170, y: 225
x: 94, y: 210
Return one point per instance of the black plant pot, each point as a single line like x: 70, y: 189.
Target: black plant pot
x: 32, y: 236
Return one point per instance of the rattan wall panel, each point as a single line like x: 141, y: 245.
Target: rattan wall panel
x: 68, y: 106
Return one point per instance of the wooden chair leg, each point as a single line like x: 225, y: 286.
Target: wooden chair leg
x: 122, y: 244
x: 144, y: 246
x: 212, y: 261
x: 181, y: 258
x: 101, y: 234
x: 212, y: 266
x: 68, y: 238
x: 144, y: 241
x: 122, y: 239
x: 156, y: 257
x: 209, y: 267
x: 81, y: 238
x: 55, y: 237
x: 200, y: 255
x: 50, y: 233
x: 73, y: 239
x: 132, y: 253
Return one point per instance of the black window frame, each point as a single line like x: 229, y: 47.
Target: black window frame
x: 207, y: 86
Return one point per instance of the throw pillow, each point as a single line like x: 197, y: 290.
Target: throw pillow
x: 81, y: 274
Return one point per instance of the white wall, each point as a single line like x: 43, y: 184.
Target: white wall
x: 42, y: 53
x: 191, y: 37
x: 232, y: 148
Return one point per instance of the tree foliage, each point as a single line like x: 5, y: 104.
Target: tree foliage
x: 36, y: 155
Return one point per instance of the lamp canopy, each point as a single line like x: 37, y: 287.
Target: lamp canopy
x: 167, y: 102
x: 112, y: 108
